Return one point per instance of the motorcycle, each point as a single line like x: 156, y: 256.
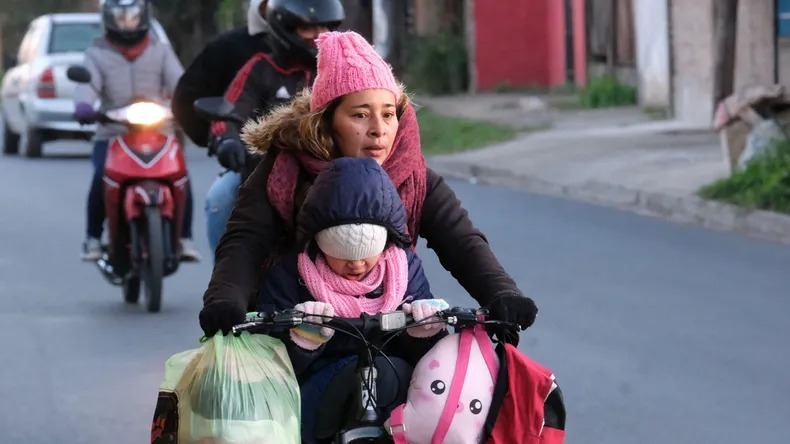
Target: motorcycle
x: 145, y: 184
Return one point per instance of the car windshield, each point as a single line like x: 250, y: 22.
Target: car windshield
x: 72, y: 37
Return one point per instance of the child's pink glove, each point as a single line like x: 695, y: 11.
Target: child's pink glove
x: 423, y: 309
x: 310, y: 337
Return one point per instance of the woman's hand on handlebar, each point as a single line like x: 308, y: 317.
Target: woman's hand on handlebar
x: 310, y: 337
x: 220, y: 315
x: 518, y: 309
x: 424, y: 309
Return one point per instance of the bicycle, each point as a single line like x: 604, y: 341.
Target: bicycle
x: 373, y: 332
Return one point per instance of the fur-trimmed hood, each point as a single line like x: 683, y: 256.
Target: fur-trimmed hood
x: 285, y: 127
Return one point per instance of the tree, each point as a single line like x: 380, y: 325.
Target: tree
x: 358, y: 17
x: 191, y: 24
x: 725, y: 26
x: 16, y: 15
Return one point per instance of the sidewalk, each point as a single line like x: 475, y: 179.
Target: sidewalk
x: 617, y: 157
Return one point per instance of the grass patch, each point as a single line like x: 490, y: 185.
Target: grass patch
x: 764, y: 183
x: 444, y: 135
x: 605, y: 92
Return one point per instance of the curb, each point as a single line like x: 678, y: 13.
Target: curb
x: 717, y: 216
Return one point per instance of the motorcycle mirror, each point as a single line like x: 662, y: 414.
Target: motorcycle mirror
x: 78, y: 74
x: 215, y: 108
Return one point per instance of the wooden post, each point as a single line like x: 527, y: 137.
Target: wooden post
x: 725, y: 26
x: 2, y: 48
x: 471, y: 45
x: 611, y: 43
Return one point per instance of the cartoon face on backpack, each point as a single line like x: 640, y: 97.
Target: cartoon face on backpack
x: 430, y: 389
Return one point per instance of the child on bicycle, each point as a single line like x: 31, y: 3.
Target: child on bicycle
x: 353, y: 258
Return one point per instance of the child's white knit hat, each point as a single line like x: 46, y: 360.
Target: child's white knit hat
x: 352, y: 242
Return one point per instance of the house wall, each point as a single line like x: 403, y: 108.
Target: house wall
x: 651, y: 25
x: 691, y: 37
x: 693, y: 46
x: 523, y: 43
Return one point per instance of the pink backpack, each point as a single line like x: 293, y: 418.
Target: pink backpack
x: 450, y: 392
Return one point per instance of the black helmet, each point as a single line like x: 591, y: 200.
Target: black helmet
x: 284, y: 16
x: 126, y: 21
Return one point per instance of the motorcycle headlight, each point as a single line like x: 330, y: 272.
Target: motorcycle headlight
x: 141, y: 113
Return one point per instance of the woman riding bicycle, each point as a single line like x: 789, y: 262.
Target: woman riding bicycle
x: 355, y: 109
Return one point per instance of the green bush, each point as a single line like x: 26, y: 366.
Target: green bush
x: 764, y: 183
x: 437, y: 65
x: 606, y: 91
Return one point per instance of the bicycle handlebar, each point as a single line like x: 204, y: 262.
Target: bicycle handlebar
x: 384, y: 322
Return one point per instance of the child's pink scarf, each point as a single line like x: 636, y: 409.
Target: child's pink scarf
x: 348, y: 297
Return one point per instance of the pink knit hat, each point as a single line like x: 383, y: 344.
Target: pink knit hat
x: 347, y: 64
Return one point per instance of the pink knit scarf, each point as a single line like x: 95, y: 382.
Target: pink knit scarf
x: 348, y: 297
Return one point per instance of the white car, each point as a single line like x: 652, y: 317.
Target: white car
x: 36, y: 103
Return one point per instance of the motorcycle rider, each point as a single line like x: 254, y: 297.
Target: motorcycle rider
x: 284, y: 65
x: 214, y: 68
x: 125, y: 62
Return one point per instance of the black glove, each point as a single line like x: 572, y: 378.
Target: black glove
x: 514, y: 308
x: 221, y: 315
x: 232, y: 154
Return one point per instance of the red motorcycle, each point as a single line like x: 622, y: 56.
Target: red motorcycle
x: 145, y: 179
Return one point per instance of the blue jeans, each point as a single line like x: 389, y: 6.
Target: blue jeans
x: 95, y: 207
x: 220, y: 199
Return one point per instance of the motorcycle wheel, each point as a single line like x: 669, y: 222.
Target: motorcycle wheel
x: 154, y: 266
x: 131, y: 290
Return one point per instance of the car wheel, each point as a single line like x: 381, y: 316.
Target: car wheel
x: 34, y: 141
x: 10, y: 141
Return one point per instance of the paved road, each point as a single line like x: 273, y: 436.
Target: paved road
x: 659, y: 333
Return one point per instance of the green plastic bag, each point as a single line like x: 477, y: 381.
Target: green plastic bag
x: 232, y: 390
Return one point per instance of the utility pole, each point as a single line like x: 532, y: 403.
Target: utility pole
x: 725, y: 28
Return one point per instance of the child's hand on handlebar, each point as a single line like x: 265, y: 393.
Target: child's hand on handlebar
x: 423, y: 309
x: 310, y: 337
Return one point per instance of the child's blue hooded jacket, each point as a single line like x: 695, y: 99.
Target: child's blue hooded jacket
x: 349, y: 190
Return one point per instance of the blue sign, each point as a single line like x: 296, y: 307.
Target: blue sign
x: 783, y: 17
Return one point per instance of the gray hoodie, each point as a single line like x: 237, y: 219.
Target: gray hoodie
x: 154, y: 75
